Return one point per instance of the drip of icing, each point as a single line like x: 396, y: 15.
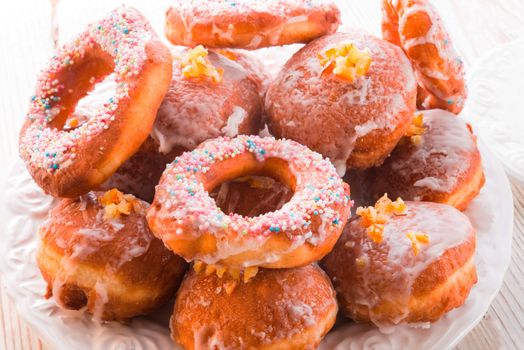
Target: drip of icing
x: 234, y: 121
x: 101, y: 300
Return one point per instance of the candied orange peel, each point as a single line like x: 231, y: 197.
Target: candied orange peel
x: 196, y: 65
x: 235, y: 273
x: 416, y: 129
x: 116, y: 204
x: 346, y: 61
x: 374, y: 218
x: 417, y: 239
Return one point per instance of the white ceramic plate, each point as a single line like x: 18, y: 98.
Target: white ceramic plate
x: 24, y: 206
x: 496, y: 93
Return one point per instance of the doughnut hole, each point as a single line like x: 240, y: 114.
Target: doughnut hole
x: 78, y: 79
x: 255, y: 189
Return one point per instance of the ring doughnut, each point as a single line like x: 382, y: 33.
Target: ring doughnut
x: 420, y: 266
x: 277, y: 309
x: 68, y: 163
x: 416, y: 26
x: 189, y: 222
x: 353, y: 117
x: 195, y: 110
x: 444, y: 165
x: 249, y: 24
x: 97, y: 251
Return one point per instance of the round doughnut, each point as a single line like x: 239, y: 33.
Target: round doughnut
x: 96, y: 251
x: 304, y: 230
x: 416, y: 26
x: 355, y: 121
x: 249, y: 24
x: 67, y: 163
x: 444, y: 166
x: 277, y: 309
x: 195, y: 110
x: 422, y: 267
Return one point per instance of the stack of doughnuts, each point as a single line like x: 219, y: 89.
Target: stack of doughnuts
x: 187, y: 172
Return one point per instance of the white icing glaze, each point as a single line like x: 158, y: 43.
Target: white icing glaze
x: 446, y: 147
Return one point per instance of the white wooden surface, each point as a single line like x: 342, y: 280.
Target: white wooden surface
x: 476, y: 26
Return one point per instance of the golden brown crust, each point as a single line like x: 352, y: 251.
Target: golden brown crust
x: 249, y: 25
x: 276, y: 309
x: 446, y: 167
x: 353, y: 123
x: 386, y: 283
x: 115, y: 267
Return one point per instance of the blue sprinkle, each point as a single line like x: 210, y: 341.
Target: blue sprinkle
x: 336, y: 221
x: 450, y: 102
x: 316, y: 199
x: 262, y: 151
x: 315, y: 212
x: 126, y: 31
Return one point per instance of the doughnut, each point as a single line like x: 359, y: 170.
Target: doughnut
x: 249, y: 24
x: 416, y: 27
x: 277, y: 309
x: 194, y: 110
x: 96, y: 251
x: 403, y: 262
x: 68, y: 163
x: 304, y: 230
x: 349, y: 96
x: 443, y: 166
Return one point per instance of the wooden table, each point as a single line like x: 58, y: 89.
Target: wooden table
x: 476, y: 27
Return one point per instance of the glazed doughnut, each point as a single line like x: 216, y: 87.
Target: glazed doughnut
x: 354, y: 113
x: 416, y: 26
x: 305, y: 229
x: 195, y: 110
x: 445, y: 166
x: 67, y: 163
x: 96, y: 251
x: 278, y: 309
x: 249, y: 24
x: 418, y: 268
